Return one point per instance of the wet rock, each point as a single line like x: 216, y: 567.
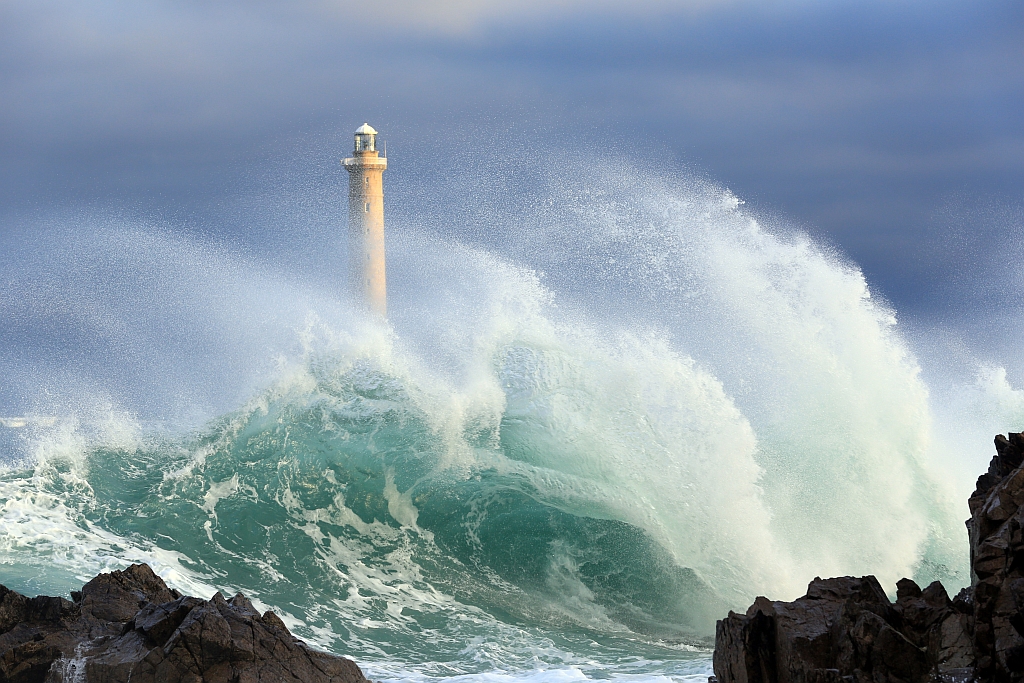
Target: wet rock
x: 846, y: 629
x: 745, y: 649
x: 870, y: 648
x: 128, y: 625
x: 32, y: 634
x: 997, y: 563
x: 843, y: 627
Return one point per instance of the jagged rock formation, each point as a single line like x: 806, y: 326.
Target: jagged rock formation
x: 997, y: 563
x: 845, y: 630
x: 127, y: 625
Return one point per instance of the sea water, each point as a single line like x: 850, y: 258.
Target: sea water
x: 568, y: 451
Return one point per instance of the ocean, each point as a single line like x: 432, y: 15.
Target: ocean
x: 578, y: 440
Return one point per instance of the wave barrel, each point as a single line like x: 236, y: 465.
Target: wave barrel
x: 366, y: 221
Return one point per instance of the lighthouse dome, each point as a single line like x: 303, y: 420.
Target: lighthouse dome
x: 365, y: 129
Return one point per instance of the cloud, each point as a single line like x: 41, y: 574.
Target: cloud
x: 852, y: 117
x: 468, y: 18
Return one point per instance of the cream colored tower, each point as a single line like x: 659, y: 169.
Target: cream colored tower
x: 366, y: 220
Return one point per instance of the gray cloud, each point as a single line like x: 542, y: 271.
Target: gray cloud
x: 856, y: 120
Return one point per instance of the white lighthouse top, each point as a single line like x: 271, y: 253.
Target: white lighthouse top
x: 365, y: 129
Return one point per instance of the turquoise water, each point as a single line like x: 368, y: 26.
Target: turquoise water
x: 334, y: 499
x: 562, y: 461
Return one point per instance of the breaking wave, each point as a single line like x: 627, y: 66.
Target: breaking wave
x: 565, y: 455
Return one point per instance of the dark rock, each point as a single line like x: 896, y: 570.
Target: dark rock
x: 997, y: 564
x: 846, y: 629
x: 128, y: 625
x: 809, y: 639
x: 868, y: 647
x: 158, y: 622
x: 753, y: 639
x: 117, y: 596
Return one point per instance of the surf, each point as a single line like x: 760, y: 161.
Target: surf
x: 570, y: 450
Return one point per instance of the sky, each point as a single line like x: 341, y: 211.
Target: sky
x: 890, y: 130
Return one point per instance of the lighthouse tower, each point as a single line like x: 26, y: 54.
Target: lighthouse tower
x: 366, y: 220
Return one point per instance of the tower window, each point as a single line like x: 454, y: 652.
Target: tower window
x: 366, y: 207
x: 366, y: 181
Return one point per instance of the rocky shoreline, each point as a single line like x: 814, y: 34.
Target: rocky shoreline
x: 845, y: 630
x: 129, y: 626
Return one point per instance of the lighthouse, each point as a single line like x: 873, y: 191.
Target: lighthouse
x: 366, y: 221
